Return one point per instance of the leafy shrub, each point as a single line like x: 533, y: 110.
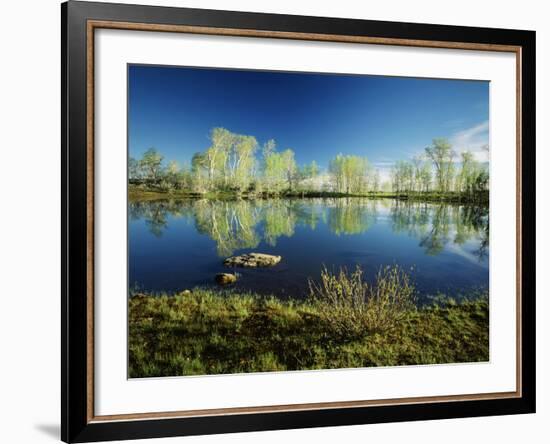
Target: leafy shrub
x: 352, y: 306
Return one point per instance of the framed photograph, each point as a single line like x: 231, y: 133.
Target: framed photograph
x: 275, y: 221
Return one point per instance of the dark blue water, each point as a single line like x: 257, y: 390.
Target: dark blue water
x: 180, y: 244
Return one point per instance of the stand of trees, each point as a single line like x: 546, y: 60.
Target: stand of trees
x: 236, y: 163
x: 441, y: 170
x: 353, y: 174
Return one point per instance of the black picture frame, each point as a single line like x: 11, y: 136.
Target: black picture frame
x: 76, y: 424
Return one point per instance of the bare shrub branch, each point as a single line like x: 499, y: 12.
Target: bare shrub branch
x: 354, y: 307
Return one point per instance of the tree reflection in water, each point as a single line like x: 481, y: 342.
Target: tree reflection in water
x: 240, y: 224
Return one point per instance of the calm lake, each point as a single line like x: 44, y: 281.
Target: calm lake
x: 180, y: 244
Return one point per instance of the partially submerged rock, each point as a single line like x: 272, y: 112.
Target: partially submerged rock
x: 252, y: 260
x: 226, y: 278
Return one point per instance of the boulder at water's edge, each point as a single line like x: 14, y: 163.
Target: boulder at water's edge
x: 226, y: 278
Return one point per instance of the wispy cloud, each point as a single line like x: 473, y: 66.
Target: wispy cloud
x: 473, y: 139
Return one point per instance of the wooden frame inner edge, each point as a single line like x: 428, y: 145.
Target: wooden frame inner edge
x: 94, y: 24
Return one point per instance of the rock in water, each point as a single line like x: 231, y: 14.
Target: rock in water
x: 226, y: 278
x: 252, y: 260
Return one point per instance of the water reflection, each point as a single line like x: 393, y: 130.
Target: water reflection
x: 243, y: 224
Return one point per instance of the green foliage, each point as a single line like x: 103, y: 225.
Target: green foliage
x: 350, y: 173
x: 151, y: 163
x: 412, y: 177
x: 402, y: 176
x: 437, y: 173
x: 227, y: 163
x: 231, y: 165
x: 310, y: 171
x: 442, y: 156
x: 279, y: 171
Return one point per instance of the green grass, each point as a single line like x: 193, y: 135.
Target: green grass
x: 210, y: 331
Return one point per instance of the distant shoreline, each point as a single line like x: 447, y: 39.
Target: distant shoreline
x: 135, y: 193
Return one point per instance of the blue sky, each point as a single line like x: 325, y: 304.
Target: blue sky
x: 317, y: 115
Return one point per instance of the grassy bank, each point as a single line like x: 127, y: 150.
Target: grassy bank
x: 218, y: 331
x: 137, y: 193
